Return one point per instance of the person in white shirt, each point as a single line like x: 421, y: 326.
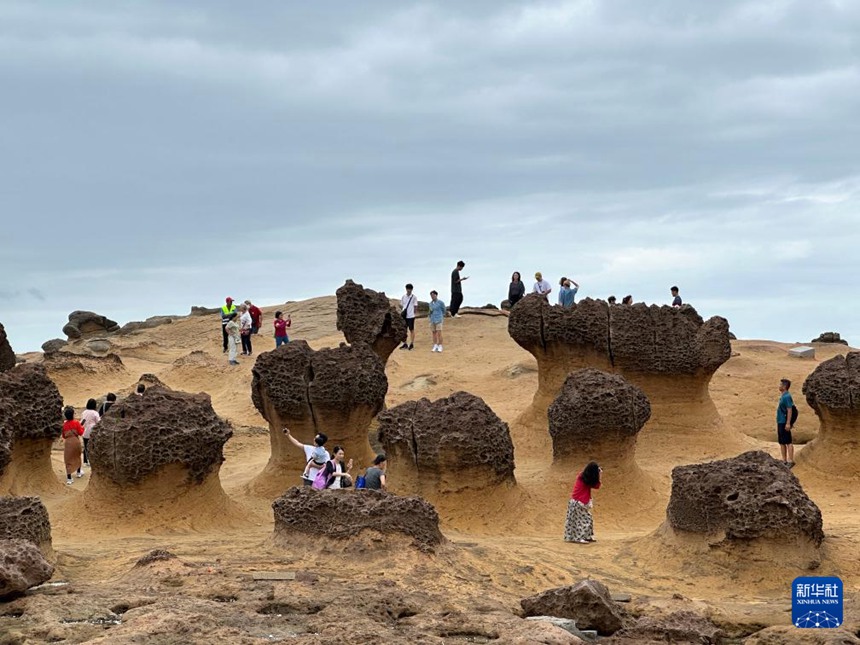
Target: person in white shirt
x: 246, y: 324
x: 408, y: 304
x: 542, y: 286
x: 89, y: 419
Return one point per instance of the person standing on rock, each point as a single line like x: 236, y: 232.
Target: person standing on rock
x: 281, y: 326
x: 72, y: 447
x: 226, y: 309
x: 246, y: 324
x: 89, y: 419
x: 437, y: 314
x: 541, y: 286
x: 316, y: 456
x: 516, y: 290
x: 256, y: 316
x: 627, y: 300
x: 374, y: 477
x: 579, y: 524
x: 567, y: 293
x: 676, y: 299
x: 784, y: 410
x: 141, y: 388
x: 110, y: 399
x: 408, y: 304
x: 457, y: 289
x: 234, y: 336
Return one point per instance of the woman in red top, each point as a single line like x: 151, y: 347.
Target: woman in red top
x: 281, y: 326
x: 73, y: 449
x: 579, y: 525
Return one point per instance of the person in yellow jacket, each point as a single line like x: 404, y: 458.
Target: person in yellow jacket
x: 226, y: 309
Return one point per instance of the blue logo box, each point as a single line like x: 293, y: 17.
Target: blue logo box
x: 816, y: 602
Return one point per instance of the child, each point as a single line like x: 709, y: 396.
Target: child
x: 72, y: 433
x: 281, y: 326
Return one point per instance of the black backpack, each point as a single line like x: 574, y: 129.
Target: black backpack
x: 793, y: 415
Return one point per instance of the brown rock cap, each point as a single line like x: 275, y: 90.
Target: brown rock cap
x: 835, y: 385
x: 7, y: 356
x: 367, y: 316
x: 87, y: 322
x: 31, y: 404
x: 25, y: 518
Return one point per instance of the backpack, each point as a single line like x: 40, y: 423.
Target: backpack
x: 793, y: 414
x: 321, y: 480
x: 360, y: 482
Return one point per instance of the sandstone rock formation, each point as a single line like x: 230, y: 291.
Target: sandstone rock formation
x: 87, y: 322
x: 7, y: 356
x: 344, y: 515
x: 149, y: 323
x: 677, y: 627
x: 597, y: 416
x: 334, y: 391
x: 22, y: 566
x: 833, y: 392
x: 830, y: 337
x: 30, y: 421
x: 671, y: 353
x: 25, y: 518
x: 588, y: 602
x: 445, y: 446
x: 745, y: 501
x: 204, y: 311
x: 54, y: 345
x: 367, y: 316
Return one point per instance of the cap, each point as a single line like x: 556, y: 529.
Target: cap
x: 228, y: 299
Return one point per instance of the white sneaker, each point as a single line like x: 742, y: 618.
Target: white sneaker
x: 434, y: 348
x: 80, y: 474
x: 440, y: 349
x: 69, y: 482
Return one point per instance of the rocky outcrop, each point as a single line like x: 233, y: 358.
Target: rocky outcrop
x: 445, y: 446
x: 833, y: 392
x: 82, y: 363
x: 30, y: 421
x: 343, y: 515
x: 333, y: 391
x: 204, y: 311
x: 367, y: 316
x: 7, y: 356
x: 588, y: 602
x: 22, y: 566
x: 82, y: 323
x: 54, y: 345
x: 596, y: 417
x: 678, y: 627
x: 746, y: 500
x: 25, y: 518
x: 832, y: 337
x: 149, y: 323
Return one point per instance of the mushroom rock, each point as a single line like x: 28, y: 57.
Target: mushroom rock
x: 82, y: 323
x: 22, y: 566
x: 164, y: 450
x: 367, y: 316
x: 669, y: 352
x: 336, y: 392
x: 7, y: 356
x: 750, y: 506
x: 54, y: 345
x: 343, y: 515
x: 30, y: 421
x: 25, y: 518
x: 833, y: 392
x: 445, y: 446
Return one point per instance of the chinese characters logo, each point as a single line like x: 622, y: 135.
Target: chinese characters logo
x: 816, y: 602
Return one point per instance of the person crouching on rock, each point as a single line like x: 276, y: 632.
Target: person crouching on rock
x: 233, y: 337
x: 334, y: 474
x: 73, y: 448
x: 579, y: 525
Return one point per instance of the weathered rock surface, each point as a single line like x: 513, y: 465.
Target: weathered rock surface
x: 7, y: 355
x: 54, y: 345
x: 451, y: 444
x: 588, y: 602
x: 334, y: 391
x: 98, y: 346
x: 597, y: 416
x: 204, y: 311
x: 343, y: 515
x: 143, y: 434
x: 789, y: 634
x: 149, y: 323
x: 87, y: 322
x: 25, y: 518
x: 749, y: 497
x: 833, y: 392
x: 367, y: 316
x: 83, y: 363
x: 678, y: 627
x: 830, y: 337
x: 22, y: 566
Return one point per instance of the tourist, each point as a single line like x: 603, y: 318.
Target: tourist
x: 517, y: 289
x: 437, y: 313
x: 676, y: 299
x: 611, y: 300
x: 333, y: 472
x: 281, y: 326
x: 72, y: 431
x: 579, y: 525
x: 784, y: 413
x: 226, y: 309
x: 110, y: 399
x: 316, y: 456
x: 541, y: 287
x: 89, y: 419
x: 457, y: 289
x: 233, y: 336
x: 567, y: 293
x: 256, y: 316
x: 408, y: 304
x: 245, y: 328
x: 627, y: 300
x: 374, y: 477
x: 141, y: 388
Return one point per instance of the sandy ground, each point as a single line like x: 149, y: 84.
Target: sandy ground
x: 502, y: 546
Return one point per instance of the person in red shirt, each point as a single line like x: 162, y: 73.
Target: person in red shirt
x: 73, y: 448
x: 281, y: 326
x: 256, y: 317
x: 579, y: 525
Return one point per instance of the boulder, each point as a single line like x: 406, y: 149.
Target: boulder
x: 505, y: 305
x: 99, y: 346
x: 678, y: 627
x: 54, y: 345
x: 588, y: 602
x: 22, y: 566
x: 82, y: 323
x: 204, y: 311
x: 597, y: 416
x: 25, y: 518
x: 833, y: 392
x: 830, y: 337
x: 149, y: 323
x: 344, y: 515
x: 7, y: 356
x: 367, y: 316
x: 447, y: 445
x: 333, y: 391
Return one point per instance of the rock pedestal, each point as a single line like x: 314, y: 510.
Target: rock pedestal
x: 367, y: 316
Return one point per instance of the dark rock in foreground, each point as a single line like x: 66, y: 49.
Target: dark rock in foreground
x: 22, y: 566
x: 588, y: 602
x: 25, y: 518
x: 7, y: 355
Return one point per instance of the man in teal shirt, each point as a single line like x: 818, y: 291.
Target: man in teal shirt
x: 437, y: 314
x: 783, y: 422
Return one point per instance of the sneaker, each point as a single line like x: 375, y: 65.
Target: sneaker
x: 457, y: 316
x: 434, y: 348
x: 405, y: 346
x: 581, y: 541
x: 790, y: 464
x: 69, y: 482
x: 80, y: 474
x: 234, y: 362
x: 440, y: 349
x: 591, y: 539
x: 410, y: 348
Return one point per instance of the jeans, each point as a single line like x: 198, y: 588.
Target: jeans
x: 246, y: 343
x: 86, y: 450
x: 280, y: 340
x: 456, y: 301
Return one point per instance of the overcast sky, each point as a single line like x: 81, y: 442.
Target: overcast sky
x: 158, y: 155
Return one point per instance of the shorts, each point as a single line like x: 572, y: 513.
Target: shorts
x: 783, y: 436
x: 436, y: 326
x: 410, y: 324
